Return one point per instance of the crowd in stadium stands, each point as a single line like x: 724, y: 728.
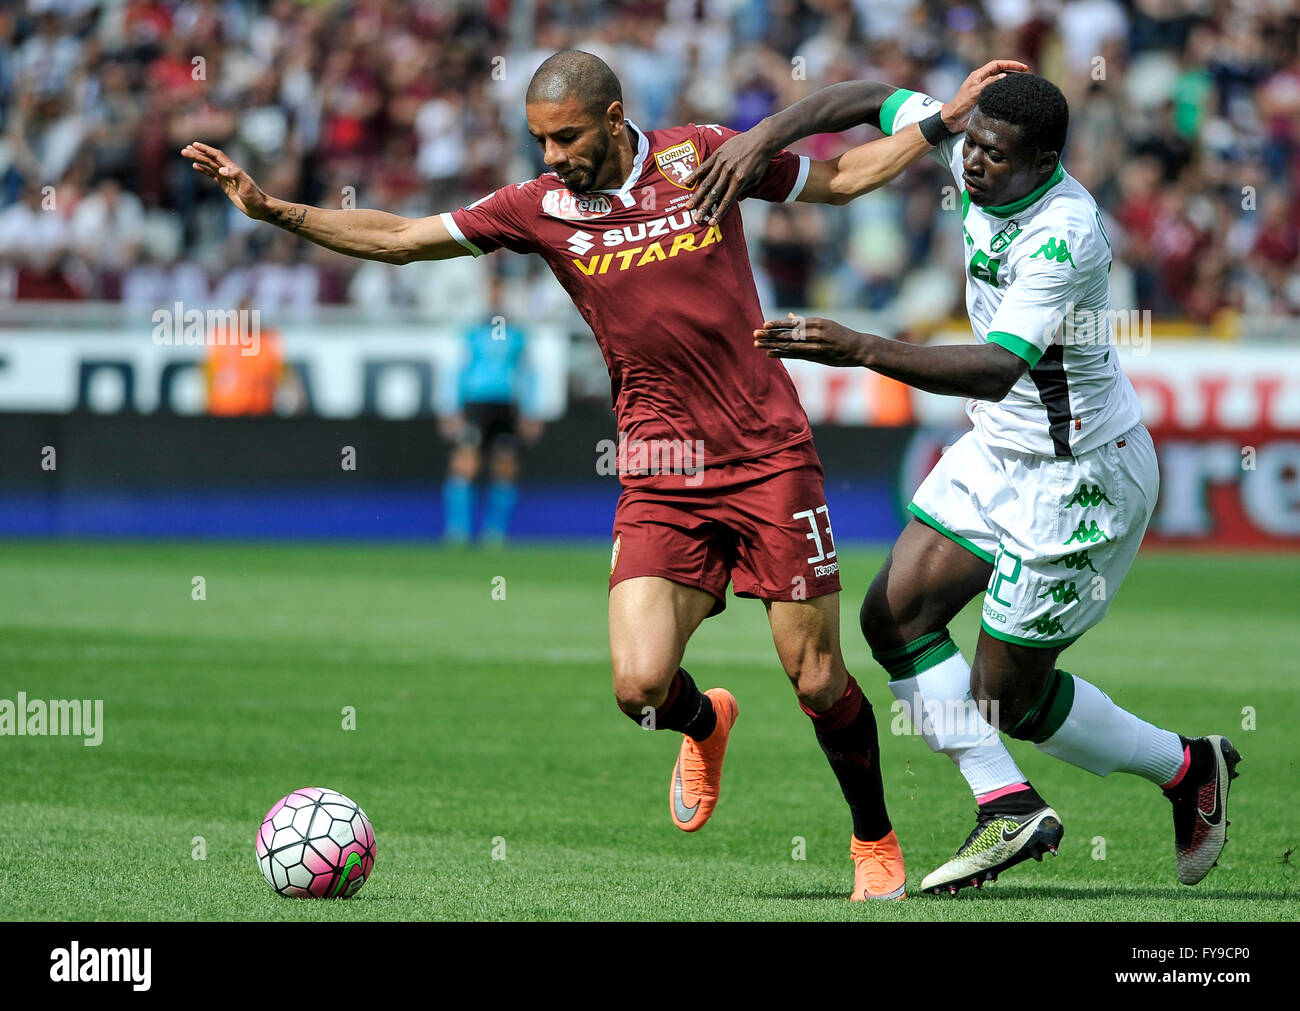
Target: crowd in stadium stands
x: 1185, y: 124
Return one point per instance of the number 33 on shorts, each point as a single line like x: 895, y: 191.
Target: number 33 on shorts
x: 819, y: 532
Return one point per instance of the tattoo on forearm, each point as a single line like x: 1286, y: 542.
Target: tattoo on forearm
x: 287, y: 219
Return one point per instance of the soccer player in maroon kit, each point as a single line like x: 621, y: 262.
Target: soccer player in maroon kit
x: 720, y: 478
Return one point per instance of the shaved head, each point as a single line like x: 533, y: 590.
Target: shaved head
x: 575, y: 74
x: 574, y: 107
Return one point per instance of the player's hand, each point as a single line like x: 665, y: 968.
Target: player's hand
x: 733, y: 168
x: 811, y: 338
x: 956, y: 114
x: 237, y: 184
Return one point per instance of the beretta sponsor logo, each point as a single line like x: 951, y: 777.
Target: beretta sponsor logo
x: 572, y: 207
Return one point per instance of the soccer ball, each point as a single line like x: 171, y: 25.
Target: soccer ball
x: 315, y: 844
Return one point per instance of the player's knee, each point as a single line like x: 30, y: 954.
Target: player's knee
x: 876, y: 618
x: 464, y: 464
x: 505, y: 467
x: 637, y: 686
x: 638, y: 702
x: 817, y: 685
x: 995, y: 705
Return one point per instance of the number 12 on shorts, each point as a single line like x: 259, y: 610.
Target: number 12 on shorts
x: 1006, y: 569
x: 815, y: 535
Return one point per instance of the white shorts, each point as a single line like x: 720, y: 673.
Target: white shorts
x: 1059, y: 533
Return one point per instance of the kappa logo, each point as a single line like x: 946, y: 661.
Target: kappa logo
x: 1086, y: 497
x: 1055, y: 250
x: 571, y: 207
x: 994, y: 613
x: 1061, y: 592
x: 1045, y: 624
x: 1077, y: 560
x: 677, y: 162
x: 1087, y: 534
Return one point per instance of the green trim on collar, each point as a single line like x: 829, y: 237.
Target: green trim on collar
x: 1016, y: 206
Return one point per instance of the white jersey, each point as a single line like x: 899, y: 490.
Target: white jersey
x: 1038, y: 284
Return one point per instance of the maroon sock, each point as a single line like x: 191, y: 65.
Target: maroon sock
x: 847, y: 735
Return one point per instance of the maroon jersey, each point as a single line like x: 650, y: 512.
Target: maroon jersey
x: 672, y: 303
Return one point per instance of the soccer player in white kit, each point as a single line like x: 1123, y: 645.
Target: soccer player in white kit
x: 1041, y: 507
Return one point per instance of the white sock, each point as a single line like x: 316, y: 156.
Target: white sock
x: 1099, y: 736
x: 938, y: 703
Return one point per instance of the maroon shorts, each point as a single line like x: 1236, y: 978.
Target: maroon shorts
x: 769, y: 535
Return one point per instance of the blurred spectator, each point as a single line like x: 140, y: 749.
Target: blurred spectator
x: 108, y: 227
x: 1180, y: 109
x: 35, y: 241
x: 115, y: 125
x: 1088, y: 30
x: 1137, y: 215
x: 1275, y: 255
x: 43, y: 135
x: 46, y: 60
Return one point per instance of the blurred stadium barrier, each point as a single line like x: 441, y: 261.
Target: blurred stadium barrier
x: 134, y: 455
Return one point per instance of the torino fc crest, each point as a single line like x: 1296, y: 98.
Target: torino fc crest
x: 677, y: 162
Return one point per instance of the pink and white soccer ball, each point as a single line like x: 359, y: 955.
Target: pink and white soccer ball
x: 315, y: 844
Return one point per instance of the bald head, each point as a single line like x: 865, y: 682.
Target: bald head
x: 574, y: 107
x: 573, y: 74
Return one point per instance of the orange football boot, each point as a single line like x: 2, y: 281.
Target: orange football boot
x: 697, y: 776
x: 877, y: 869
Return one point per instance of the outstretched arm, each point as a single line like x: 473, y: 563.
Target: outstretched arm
x: 981, y: 371
x: 864, y: 168
x: 739, y: 164
x: 830, y: 110
x: 369, y: 234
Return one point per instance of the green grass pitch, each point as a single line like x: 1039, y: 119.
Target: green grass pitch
x: 486, y: 728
